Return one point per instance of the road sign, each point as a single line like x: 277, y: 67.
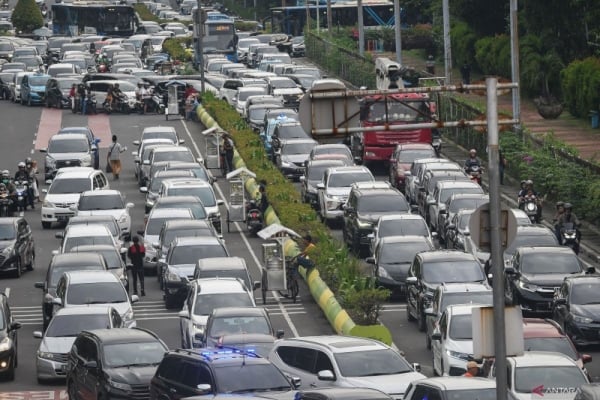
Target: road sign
x: 479, y: 227
x: 333, y: 114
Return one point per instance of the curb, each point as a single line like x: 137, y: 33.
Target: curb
x: 336, y: 315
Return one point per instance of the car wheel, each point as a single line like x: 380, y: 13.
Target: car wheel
x: 31, y: 264
x: 46, y: 225
x: 18, y: 267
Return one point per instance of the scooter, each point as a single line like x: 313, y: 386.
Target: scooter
x: 6, y: 205
x: 254, y: 218
x: 22, y: 193
x: 531, y: 208
x: 475, y: 172
x: 569, y: 236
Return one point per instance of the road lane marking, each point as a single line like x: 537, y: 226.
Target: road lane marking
x: 50, y: 122
x: 100, y: 125
x: 60, y: 394
x: 7, y: 292
x: 282, y: 309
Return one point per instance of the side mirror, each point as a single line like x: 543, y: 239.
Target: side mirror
x: 38, y: 334
x: 451, y: 227
x: 90, y: 364
x: 279, y: 334
x: 39, y: 285
x: 586, y: 358
x: 416, y: 367
x: 44, y: 150
x: 326, y: 375
x: 220, y: 202
x: 57, y: 301
x: 129, y: 205
x: 320, y: 186
x: 143, y: 189
x: 296, y: 382
x: 181, y: 141
x: 141, y: 233
x: 370, y: 260
x: 411, y: 280
x: 59, y: 235
x: 134, y: 298
x: 204, y: 388
x: 430, y: 201
x: 156, y: 245
x: 510, y: 271
x: 560, y: 301
x: 14, y: 326
x: 256, y: 285
x: 436, y: 336
x: 136, y: 142
x: 146, y: 162
x: 302, y: 178
x: 183, y: 314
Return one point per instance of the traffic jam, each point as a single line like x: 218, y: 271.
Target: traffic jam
x: 136, y: 266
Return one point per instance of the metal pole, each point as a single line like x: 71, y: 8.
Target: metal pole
x: 514, y: 52
x: 199, y: 45
x: 398, y: 34
x: 361, y: 29
x: 318, y: 18
x: 447, y: 44
x: 496, y: 244
x: 329, y: 17
x: 307, y: 25
x: 255, y: 7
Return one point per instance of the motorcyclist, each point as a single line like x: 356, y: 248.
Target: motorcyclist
x: 31, y: 167
x: 263, y: 202
x: 569, y: 217
x: 472, y: 161
x: 526, y: 193
x: 5, y: 195
x: 23, y: 175
x: 560, y: 210
x: 117, y: 95
x: 10, y: 186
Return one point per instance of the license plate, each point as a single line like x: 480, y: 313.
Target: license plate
x: 62, y: 217
x: 63, y: 368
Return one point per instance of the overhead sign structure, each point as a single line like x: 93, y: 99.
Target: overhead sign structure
x: 484, y: 332
x: 479, y: 227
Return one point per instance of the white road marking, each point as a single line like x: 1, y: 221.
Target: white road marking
x: 282, y: 309
x: 7, y: 292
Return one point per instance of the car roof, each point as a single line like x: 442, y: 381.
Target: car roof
x: 70, y: 136
x: 458, y: 382
x: 395, y: 217
x: 463, y: 287
x: 196, y: 241
x: 187, y: 182
x: 414, y: 146
x: 405, y: 239
x: 187, y: 223
x: 238, y: 312
x: 91, y: 219
x: 93, y: 248
x: 450, y: 255
x: 541, y: 328
x: 350, y: 169
x: 77, y: 259
x: 91, y: 277
x: 169, y: 212
x: 173, y: 148
x: 331, y: 162
x: 121, y: 335
x: 107, y: 192
x: 80, y: 230
x: 462, y: 309
x: 339, y: 344
x: 222, y: 263
x: 220, y: 285
x: 457, y: 184
x: 178, y: 199
x: 542, y: 359
x: 153, y: 129
x: 91, y: 309
x: 73, y: 174
x: 546, y: 249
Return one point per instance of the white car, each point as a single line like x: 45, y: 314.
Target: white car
x: 538, y: 374
x: 64, y: 192
x: 452, y: 387
x: 399, y: 225
x: 66, y: 150
x: 82, y: 288
x: 335, y: 188
x: 81, y: 235
x: 452, y: 340
x: 243, y: 92
x: 106, y: 202
x: 205, y: 295
x: 344, y: 361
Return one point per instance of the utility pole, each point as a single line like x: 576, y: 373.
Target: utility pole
x: 361, y: 29
x: 447, y: 44
x: 329, y: 17
x: 199, y: 47
x: 397, y: 32
x: 514, y: 57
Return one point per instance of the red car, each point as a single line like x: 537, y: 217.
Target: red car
x: 402, y: 158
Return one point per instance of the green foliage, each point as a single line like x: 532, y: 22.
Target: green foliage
x: 27, y: 17
x: 178, y: 48
x: 463, y: 40
x: 581, y: 86
x: 540, y: 67
x: 493, y: 55
x: 364, y: 306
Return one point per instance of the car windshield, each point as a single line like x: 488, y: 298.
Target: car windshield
x: 283, y: 84
x: 133, y: 354
x: 464, y: 220
x: 197, y: 208
x: 7, y: 231
x: 567, y: 379
x: 239, y: 325
x: 58, y: 270
x: 112, y: 257
x: 172, y: 234
x: 96, y: 293
x: 371, y: 363
x: 249, y: 378
x: 404, y: 253
x: 69, y: 146
x: 227, y: 273
x: 190, y: 254
x: 38, y: 80
x: 471, y: 394
x: 243, y: 95
x: 399, y: 227
x: 172, y: 136
x: 90, y: 203
x: 530, y: 240
x: 72, y: 325
x: 405, y: 111
x: 205, y: 303
x: 408, y: 156
x: 155, y: 224
x: 184, y: 156
x: 449, y: 299
x: 452, y: 271
x: 550, y: 263
x: 6, y: 46
x: 446, y: 193
x: 382, y: 204
x: 291, y: 132
x: 559, y: 344
x: 347, y: 179
x: 205, y: 194
x: 291, y: 149
x: 71, y: 242
x: 65, y: 84
x: 315, y: 173
x: 460, y: 327
x: 585, y: 293
x: 460, y: 204
x: 74, y: 185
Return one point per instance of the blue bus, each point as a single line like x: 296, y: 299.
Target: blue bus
x: 219, y: 34
x: 98, y: 19
x: 291, y: 20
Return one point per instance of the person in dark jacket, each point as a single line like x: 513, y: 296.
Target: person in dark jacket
x: 136, y: 254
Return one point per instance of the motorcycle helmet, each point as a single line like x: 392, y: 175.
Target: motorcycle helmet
x: 102, y: 68
x: 21, y: 164
x: 28, y: 161
x: 529, y: 182
x: 6, y: 173
x: 2, y: 187
x: 472, y: 152
x: 568, y: 206
x: 560, y: 204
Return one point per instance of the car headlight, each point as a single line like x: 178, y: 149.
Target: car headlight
x: 6, y: 344
x: 119, y: 385
x: 383, y: 273
x: 50, y: 162
x: 457, y: 354
x: 172, y: 276
x: 86, y: 160
x: 286, y: 164
x: 528, y: 286
x: 128, y: 316
x: 45, y: 355
x: 363, y: 224
x: 199, y: 328
x: 8, y: 250
x: 582, y: 320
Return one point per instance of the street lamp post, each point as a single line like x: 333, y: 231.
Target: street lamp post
x: 398, y: 34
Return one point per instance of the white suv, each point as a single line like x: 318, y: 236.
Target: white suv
x: 66, y: 150
x: 451, y: 387
x: 64, y: 193
x: 106, y: 202
x: 80, y: 235
x: 335, y: 188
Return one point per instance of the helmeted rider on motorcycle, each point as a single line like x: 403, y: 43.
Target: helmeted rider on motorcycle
x: 23, y: 175
x: 7, y: 181
x: 527, y: 191
x: 569, y: 217
x: 472, y: 161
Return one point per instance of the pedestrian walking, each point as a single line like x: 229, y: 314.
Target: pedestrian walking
x: 136, y: 254
x: 430, y: 65
x: 114, y: 156
x: 465, y: 72
x: 228, y: 150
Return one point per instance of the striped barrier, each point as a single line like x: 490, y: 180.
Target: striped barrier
x: 336, y: 315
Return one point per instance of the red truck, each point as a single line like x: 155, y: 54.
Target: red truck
x: 390, y: 110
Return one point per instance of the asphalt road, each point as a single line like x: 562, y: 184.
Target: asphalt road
x: 19, y: 139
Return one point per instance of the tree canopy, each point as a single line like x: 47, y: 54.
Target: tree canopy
x: 27, y: 16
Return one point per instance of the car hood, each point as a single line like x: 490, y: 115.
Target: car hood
x: 544, y: 279
x: 287, y: 92
x: 338, y: 191
x: 461, y: 346
x: 133, y: 375
x: 69, y: 198
x: 67, y: 156
x: 57, y: 344
x: 183, y: 270
x: 400, y: 270
x: 391, y: 384
x: 6, y: 243
x: 371, y: 217
x: 587, y: 310
x: 296, y: 158
x: 115, y: 213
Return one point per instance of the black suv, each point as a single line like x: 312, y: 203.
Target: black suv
x: 184, y: 373
x: 17, y: 250
x: 113, y: 363
x: 8, y: 337
x: 430, y: 269
x: 536, y: 273
x: 366, y: 203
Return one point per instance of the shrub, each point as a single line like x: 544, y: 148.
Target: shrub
x: 493, y: 55
x: 177, y: 48
x: 463, y: 40
x: 580, y: 83
x: 27, y: 17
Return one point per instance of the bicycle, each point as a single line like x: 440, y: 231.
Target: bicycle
x: 292, y: 280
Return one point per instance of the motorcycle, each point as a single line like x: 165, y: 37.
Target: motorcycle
x: 22, y: 194
x: 156, y: 104
x: 474, y: 172
x: 254, y: 218
x: 569, y: 236
x: 6, y: 204
x: 91, y: 105
x: 122, y: 105
x: 530, y: 207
